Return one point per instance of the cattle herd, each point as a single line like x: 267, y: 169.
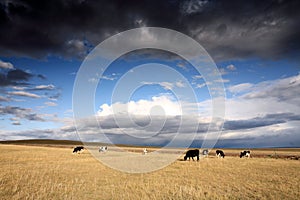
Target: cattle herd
x: 188, y: 155
x: 102, y: 149
x: 219, y: 153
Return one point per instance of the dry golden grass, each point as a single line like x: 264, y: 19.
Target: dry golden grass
x: 54, y: 173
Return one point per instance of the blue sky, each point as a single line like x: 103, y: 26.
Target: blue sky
x: 258, y: 61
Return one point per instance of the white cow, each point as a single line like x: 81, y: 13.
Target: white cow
x: 103, y: 149
x: 205, y: 152
x: 145, y: 151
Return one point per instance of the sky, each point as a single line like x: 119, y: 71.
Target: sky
x: 151, y: 96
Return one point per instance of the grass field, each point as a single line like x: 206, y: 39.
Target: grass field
x: 37, y: 172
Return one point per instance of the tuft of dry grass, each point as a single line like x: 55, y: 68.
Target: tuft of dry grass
x: 55, y: 173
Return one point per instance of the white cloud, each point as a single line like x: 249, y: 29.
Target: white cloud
x: 6, y: 65
x: 180, y: 84
x: 5, y: 99
x: 109, y: 78
x: 93, y: 80
x: 240, y: 87
x: 201, y: 85
x: 222, y: 80
x: 96, y: 79
x: 167, y: 85
x: 44, y: 87
x: 285, y: 89
x: 231, y: 67
x: 276, y: 96
x: 18, y: 88
x: 198, y: 77
x: 182, y: 66
x: 49, y: 103
x: 24, y: 94
x: 16, y: 123
x: 157, y: 105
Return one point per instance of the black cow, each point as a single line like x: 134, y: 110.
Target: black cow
x: 220, y: 153
x: 78, y: 149
x: 191, y: 154
x: 245, y: 154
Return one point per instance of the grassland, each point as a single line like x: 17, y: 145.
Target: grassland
x: 37, y: 172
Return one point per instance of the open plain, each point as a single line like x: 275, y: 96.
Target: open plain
x: 42, y: 172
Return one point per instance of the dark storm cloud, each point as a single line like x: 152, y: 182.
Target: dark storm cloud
x: 29, y: 134
x: 281, y: 139
x: 227, y: 29
x: 267, y: 120
x: 89, y: 129
x: 14, y: 77
x: 18, y: 75
x: 21, y: 113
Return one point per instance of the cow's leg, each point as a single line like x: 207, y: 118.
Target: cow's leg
x: 197, y: 158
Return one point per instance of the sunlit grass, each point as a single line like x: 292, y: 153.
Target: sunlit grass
x: 55, y: 173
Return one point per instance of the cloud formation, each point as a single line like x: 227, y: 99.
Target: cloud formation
x: 14, y: 77
x: 262, y: 120
x: 49, y: 103
x: 44, y: 87
x: 19, y: 82
x: 16, y: 82
x: 4, y: 99
x: 6, y: 65
x: 160, y: 105
x: 20, y: 113
x: 24, y: 94
x: 259, y: 120
x: 227, y: 29
x: 166, y: 85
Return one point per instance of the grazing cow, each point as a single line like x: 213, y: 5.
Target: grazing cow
x: 78, y: 149
x: 103, y: 149
x: 145, y: 151
x: 245, y: 154
x: 220, y: 153
x: 205, y: 152
x: 191, y: 154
